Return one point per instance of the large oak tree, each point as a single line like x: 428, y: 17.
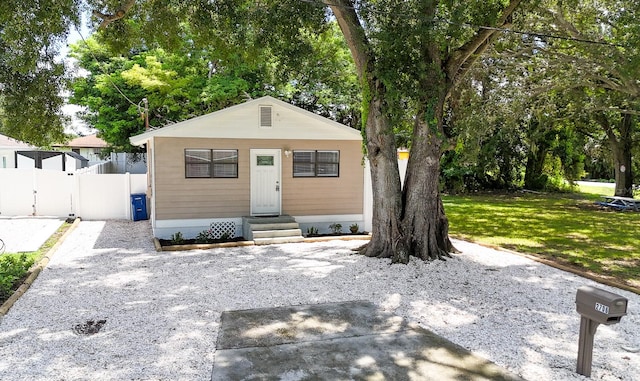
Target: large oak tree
x: 409, y: 56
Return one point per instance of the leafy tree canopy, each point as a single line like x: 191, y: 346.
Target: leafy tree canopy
x: 31, y: 75
x: 185, y: 82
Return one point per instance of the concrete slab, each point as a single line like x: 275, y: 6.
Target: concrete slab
x: 339, y: 341
x: 25, y: 234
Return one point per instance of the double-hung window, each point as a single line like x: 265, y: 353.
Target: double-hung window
x: 207, y: 163
x: 316, y: 163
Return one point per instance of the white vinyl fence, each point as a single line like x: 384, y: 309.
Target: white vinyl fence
x: 41, y: 192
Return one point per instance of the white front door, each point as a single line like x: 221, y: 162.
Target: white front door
x: 265, y: 182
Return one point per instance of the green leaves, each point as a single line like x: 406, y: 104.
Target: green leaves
x: 31, y: 77
x: 185, y: 82
x: 12, y: 268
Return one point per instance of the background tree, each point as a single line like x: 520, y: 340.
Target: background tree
x: 487, y: 116
x: 177, y: 86
x: 191, y: 81
x: 570, y: 83
x: 599, y: 62
x: 32, y: 78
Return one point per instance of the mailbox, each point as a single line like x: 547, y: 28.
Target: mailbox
x: 595, y: 307
x: 601, y: 306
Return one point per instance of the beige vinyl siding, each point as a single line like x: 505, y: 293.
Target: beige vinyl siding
x: 308, y: 196
x: 178, y: 197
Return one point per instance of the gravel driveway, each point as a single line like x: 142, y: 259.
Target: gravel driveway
x: 161, y: 311
x: 27, y: 233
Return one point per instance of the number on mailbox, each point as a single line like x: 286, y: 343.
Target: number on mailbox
x: 602, y: 308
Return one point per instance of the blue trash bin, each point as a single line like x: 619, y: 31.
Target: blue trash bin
x: 139, y: 206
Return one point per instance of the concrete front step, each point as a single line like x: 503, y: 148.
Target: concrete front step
x: 272, y: 230
x: 273, y: 226
x: 276, y: 240
x: 277, y: 233
x: 270, y: 220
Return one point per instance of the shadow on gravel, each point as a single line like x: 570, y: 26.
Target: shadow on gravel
x: 125, y: 234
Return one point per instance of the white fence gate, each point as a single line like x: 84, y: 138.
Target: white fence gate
x: 38, y: 192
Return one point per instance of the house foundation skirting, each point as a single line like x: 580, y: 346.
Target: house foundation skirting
x: 190, y: 228
x: 322, y: 222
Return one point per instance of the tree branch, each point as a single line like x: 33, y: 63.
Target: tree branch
x: 601, y: 118
x: 585, y: 132
x: 564, y: 24
x: 463, y: 58
x: 120, y: 13
x: 353, y: 33
x: 618, y: 110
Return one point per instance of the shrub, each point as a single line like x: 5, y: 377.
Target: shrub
x: 336, y: 228
x: 177, y: 238
x: 12, y: 269
x: 204, y: 236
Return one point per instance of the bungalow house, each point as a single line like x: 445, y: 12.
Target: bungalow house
x: 8, y: 148
x: 89, y: 147
x: 263, y: 160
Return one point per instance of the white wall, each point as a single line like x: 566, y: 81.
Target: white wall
x: 25, y: 192
x: 91, y: 154
x: 54, y: 196
x: 7, y: 158
x: 53, y: 163
x: 25, y: 162
x: 16, y: 192
x: 368, y: 192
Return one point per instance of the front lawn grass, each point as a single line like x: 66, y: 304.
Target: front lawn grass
x: 566, y: 228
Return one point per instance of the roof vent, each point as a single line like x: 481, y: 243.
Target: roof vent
x: 265, y: 116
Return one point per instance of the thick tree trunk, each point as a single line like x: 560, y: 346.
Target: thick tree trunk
x: 624, y: 179
x: 533, y: 178
x: 621, y: 147
x: 386, y: 238
x: 425, y: 224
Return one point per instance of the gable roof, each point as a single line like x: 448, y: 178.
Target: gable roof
x: 89, y: 141
x: 243, y: 122
x: 10, y: 143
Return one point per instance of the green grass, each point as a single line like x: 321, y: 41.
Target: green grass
x: 567, y: 228
x: 14, y: 266
x: 594, y: 190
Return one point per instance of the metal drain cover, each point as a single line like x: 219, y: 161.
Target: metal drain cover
x: 90, y: 327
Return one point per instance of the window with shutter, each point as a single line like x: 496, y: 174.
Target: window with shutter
x: 316, y: 163
x: 211, y: 163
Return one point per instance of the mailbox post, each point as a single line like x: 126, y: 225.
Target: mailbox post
x: 595, y: 307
